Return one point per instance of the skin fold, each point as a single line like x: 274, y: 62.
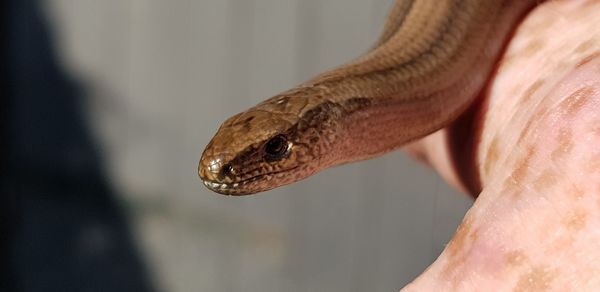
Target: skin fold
x: 533, y: 153
x: 427, y: 68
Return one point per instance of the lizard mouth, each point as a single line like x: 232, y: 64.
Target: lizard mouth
x: 221, y: 188
x: 237, y: 188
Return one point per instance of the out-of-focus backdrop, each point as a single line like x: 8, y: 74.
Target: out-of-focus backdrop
x: 157, y: 79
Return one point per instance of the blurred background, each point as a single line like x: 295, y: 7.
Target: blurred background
x: 108, y: 105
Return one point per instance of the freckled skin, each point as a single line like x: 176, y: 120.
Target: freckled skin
x: 585, y: 46
x: 531, y: 125
x: 458, y: 251
x: 546, y: 180
x: 531, y: 90
x: 565, y: 144
x: 577, y: 193
x: 508, y: 61
x: 593, y: 165
x: 588, y: 58
x: 537, y: 279
x: 563, y: 234
x: 522, y: 168
x: 533, y: 47
x: 572, y: 104
x: 536, y: 27
x: 492, y: 156
x: 547, y: 232
x: 516, y: 258
x: 456, y: 244
x: 577, y: 220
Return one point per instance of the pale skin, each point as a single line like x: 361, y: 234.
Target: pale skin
x: 533, y: 157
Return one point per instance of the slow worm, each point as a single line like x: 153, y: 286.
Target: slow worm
x: 431, y: 61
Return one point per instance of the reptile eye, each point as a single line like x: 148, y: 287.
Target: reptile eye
x: 276, y: 148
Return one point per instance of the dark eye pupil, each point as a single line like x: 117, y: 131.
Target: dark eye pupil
x: 276, y: 146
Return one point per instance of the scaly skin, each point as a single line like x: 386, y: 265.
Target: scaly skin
x: 432, y: 60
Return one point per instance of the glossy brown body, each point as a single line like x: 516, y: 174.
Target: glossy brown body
x: 430, y: 63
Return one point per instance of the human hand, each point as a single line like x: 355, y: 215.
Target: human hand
x: 530, y: 149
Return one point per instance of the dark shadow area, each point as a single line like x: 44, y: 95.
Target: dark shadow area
x: 61, y: 226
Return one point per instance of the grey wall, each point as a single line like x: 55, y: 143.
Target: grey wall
x: 162, y: 76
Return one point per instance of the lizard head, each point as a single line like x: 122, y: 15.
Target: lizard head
x: 281, y: 140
